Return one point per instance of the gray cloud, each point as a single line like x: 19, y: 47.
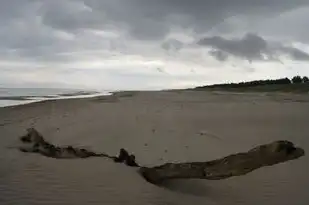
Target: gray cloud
x: 296, y: 53
x: 70, y: 15
x: 142, y: 19
x: 13, y: 9
x: 160, y: 70
x: 172, y: 45
x: 147, y: 19
x: 219, y: 55
x: 251, y: 47
x: 47, y: 35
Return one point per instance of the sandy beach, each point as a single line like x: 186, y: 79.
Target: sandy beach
x: 158, y: 127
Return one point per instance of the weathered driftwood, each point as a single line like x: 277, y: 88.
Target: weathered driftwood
x: 232, y: 165
x: 126, y: 158
x: 34, y: 142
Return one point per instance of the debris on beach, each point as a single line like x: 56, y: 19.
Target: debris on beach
x: 229, y: 166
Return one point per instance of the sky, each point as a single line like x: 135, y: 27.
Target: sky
x: 150, y: 44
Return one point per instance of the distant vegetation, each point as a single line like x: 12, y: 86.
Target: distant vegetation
x: 296, y: 84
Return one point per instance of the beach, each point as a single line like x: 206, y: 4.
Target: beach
x: 158, y: 127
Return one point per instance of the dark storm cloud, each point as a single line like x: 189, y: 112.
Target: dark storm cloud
x: 250, y: 47
x: 31, y: 27
x: 148, y: 19
x: 142, y: 19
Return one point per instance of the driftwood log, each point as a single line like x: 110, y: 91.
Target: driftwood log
x: 33, y: 142
x: 232, y: 165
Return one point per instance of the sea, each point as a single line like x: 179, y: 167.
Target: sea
x: 18, y: 96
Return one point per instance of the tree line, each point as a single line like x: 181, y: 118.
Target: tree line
x: 281, y: 81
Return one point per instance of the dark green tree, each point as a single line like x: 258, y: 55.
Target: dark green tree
x: 305, y: 79
x: 297, y: 79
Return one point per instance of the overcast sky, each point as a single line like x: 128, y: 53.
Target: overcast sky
x: 150, y: 44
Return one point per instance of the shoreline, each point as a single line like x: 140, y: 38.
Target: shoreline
x: 23, y: 101
x: 129, y: 93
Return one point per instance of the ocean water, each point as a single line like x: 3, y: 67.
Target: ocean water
x: 18, y: 96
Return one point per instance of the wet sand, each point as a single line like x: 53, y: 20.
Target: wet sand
x: 157, y: 127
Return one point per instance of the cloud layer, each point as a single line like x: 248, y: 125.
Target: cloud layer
x: 251, y: 47
x: 150, y: 44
